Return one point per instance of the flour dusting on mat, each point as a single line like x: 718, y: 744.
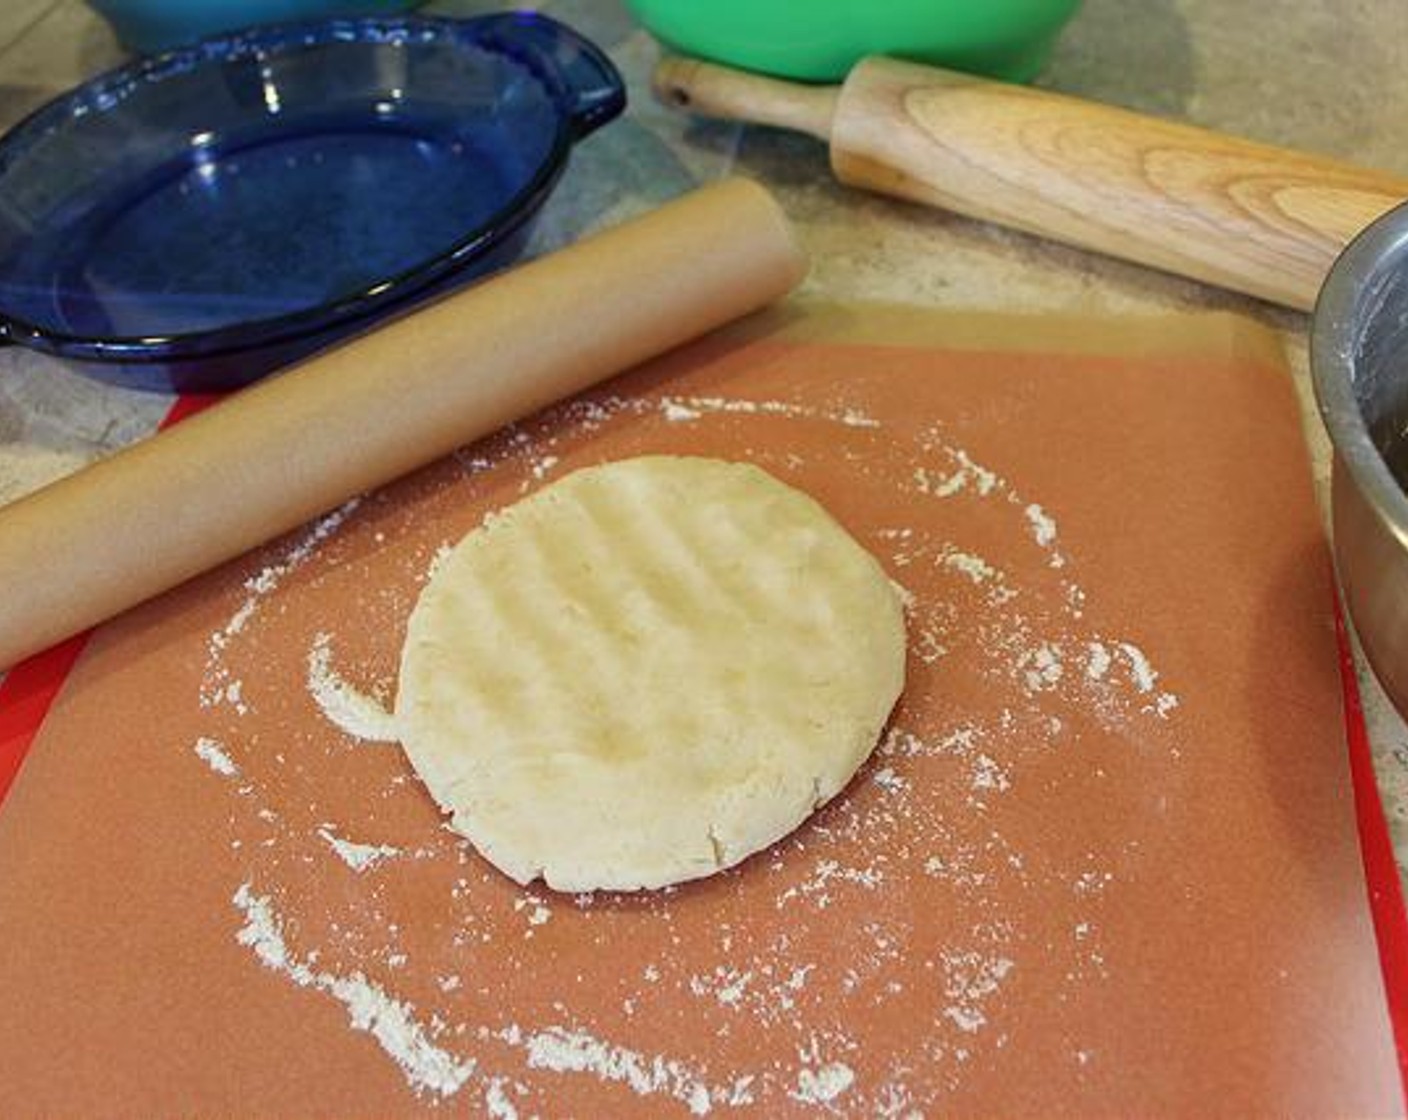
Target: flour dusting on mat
x: 683, y: 409
x: 1043, y: 528
x: 359, y: 714
x: 804, y: 975
x: 678, y: 413
x: 974, y: 567
x: 970, y: 980
x: 1013, y: 640
x: 577, y: 1052
x: 390, y: 1021
x: 497, y: 1103
x: 824, y: 1085
x: 218, y: 686
x: 213, y: 755
x: 358, y: 857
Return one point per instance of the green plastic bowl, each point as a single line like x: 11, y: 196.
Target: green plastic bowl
x: 820, y: 40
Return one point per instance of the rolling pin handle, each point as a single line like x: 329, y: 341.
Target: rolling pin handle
x: 715, y: 91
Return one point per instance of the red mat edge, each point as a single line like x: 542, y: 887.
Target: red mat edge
x: 26, y: 694
x: 30, y: 688
x: 1386, y: 902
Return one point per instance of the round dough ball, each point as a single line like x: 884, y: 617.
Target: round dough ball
x: 646, y: 672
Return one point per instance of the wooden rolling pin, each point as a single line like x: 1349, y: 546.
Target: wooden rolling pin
x: 1246, y: 216
x: 277, y: 454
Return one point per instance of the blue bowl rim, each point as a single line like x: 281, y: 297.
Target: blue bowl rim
x: 379, y: 296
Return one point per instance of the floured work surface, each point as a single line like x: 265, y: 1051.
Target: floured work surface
x: 1104, y: 860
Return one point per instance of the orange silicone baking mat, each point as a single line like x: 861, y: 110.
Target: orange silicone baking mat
x: 1104, y: 860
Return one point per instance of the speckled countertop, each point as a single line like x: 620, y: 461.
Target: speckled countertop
x: 1326, y: 75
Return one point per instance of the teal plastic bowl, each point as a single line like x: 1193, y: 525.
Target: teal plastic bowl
x: 157, y: 25
x: 820, y: 40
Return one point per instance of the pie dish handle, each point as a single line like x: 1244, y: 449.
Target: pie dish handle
x: 588, y: 85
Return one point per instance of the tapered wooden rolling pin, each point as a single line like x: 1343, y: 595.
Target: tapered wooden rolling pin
x: 275, y: 455
x: 1246, y: 216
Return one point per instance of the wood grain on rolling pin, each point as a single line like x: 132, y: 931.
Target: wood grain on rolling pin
x: 283, y: 451
x: 1228, y: 211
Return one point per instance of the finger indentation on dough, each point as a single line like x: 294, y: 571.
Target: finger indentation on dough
x: 647, y: 671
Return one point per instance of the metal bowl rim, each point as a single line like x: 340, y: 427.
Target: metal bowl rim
x: 1336, y: 328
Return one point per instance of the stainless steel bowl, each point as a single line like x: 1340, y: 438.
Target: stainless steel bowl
x: 1359, y: 359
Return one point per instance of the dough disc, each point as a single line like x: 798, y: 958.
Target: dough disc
x: 646, y: 672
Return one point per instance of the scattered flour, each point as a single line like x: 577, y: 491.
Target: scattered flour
x: 213, y: 755
x: 496, y: 1101
x: 678, y: 413
x: 727, y: 985
x: 1041, y: 667
x: 218, y: 685
x: 959, y: 740
x: 1146, y: 679
x: 970, y: 979
x: 685, y: 409
x: 1140, y: 670
x: 898, y: 741
x: 1099, y: 663
x: 1043, y: 528
x: 537, y: 912
x: 1101, y: 660
x: 359, y: 857
x: 888, y: 780
x: 361, y: 716
x: 824, y: 1085
x: 828, y: 873
x: 965, y: 475
x: 974, y: 567
x: 1092, y: 882
x: 567, y: 1051
x: 370, y: 1008
x: 989, y: 775
x: 264, y: 583
x: 929, y: 647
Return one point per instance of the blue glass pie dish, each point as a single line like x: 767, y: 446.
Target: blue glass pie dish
x: 196, y: 220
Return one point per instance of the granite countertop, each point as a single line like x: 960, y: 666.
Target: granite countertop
x: 1329, y: 76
